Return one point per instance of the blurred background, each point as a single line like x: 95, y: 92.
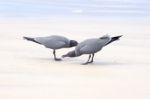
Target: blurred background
x: 120, y: 71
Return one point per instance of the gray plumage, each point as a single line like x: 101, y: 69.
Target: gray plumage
x: 53, y: 42
x: 91, y: 46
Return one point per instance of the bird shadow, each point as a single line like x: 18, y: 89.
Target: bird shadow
x: 79, y: 62
x: 106, y: 63
x: 47, y: 59
x: 95, y: 63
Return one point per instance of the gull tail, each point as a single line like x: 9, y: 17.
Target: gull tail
x: 114, y: 39
x: 31, y: 39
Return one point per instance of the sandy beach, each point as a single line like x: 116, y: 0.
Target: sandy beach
x: 120, y: 71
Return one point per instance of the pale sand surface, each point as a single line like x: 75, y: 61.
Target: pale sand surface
x: 120, y: 71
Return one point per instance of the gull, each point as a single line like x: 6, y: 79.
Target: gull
x: 90, y: 47
x: 53, y: 42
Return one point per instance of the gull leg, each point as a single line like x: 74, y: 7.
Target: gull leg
x: 87, y: 60
x: 56, y: 59
x: 92, y: 58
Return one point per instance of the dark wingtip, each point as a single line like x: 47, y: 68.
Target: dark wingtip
x: 120, y: 36
x: 114, y: 39
x: 117, y: 37
x: 30, y: 39
x: 26, y: 38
